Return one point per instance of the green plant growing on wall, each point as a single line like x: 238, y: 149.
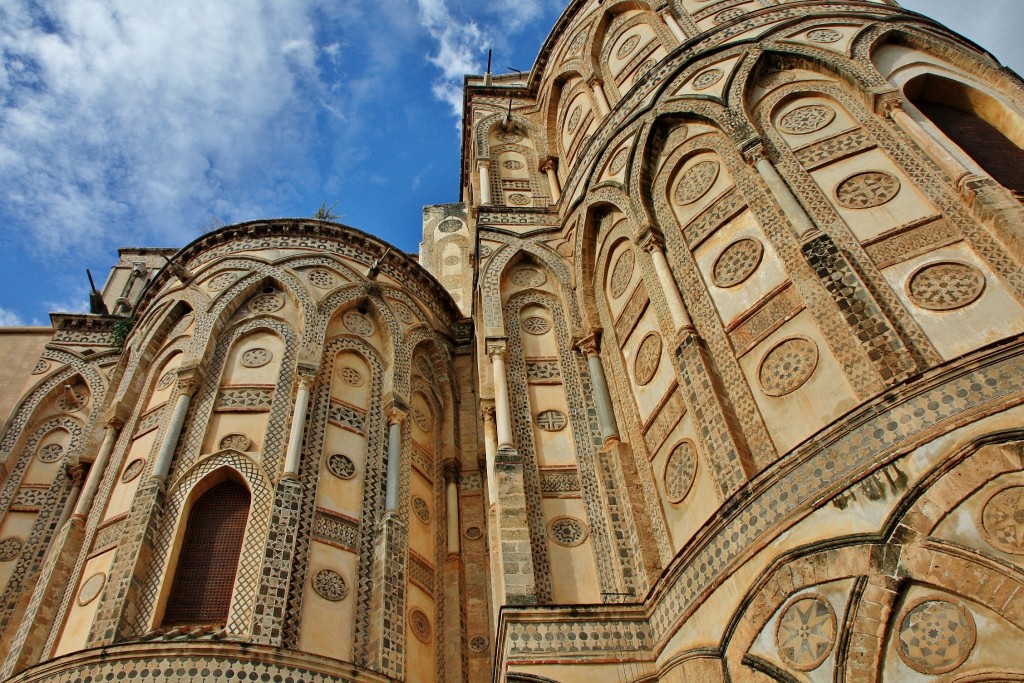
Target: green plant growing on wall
x: 326, y: 213
x: 120, y: 331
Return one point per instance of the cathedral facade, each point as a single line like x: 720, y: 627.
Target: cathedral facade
x: 715, y: 373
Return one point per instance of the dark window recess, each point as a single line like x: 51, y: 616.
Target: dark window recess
x: 201, y: 592
x: 993, y: 151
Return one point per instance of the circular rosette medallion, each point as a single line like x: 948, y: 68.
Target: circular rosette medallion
x: 806, y: 632
x: 1002, y: 520
x: 936, y: 636
x: 946, y: 286
x: 788, y: 366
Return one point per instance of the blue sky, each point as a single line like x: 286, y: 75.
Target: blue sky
x: 145, y: 122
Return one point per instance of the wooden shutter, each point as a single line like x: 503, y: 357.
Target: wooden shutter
x: 208, y: 562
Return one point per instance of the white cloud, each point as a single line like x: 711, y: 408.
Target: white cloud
x: 10, y: 318
x: 460, y: 46
x: 131, y: 118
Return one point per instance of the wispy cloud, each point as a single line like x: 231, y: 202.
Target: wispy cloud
x: 143, y: 114
x: 460, y: 45
x: 9, y: 318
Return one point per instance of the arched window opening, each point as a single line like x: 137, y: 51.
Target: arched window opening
x: 208, y: 562
x: 981, y: 126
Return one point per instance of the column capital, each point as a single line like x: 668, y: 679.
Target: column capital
x: 452, y: 471
x: 550, y: 164
x: 76, y: 473
x: 888, y: 106
x: 116, y: 423
x: 649, y: 238
x: 306, y: 376
x: 595, y: 82
x: 496, y: 347
x: 882, y: 98
x: 590, y: 344
x: 754, y: 151
x: 189, y: 381
x: 397, y: 414
x: 487, y: 409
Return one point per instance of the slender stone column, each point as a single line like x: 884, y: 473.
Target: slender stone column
x: 490, y: 451
x: 673, y: 25
x: 597, y: 87
x: 893, y: 108
x: 188, y: 382
x: 483, y: 168
x: 76, y: 473
x: 293, y: 456
x: 99, y: 465
x: 451, y: 478
x: 396, y: 417
x: 549, y: 169
x: 792, y: 207
x: 650, y: 239
x: 590, y: 345
x: 496, y: 351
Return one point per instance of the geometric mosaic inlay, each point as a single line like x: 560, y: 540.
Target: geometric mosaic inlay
x: 341, y: 466
x: 808, y: 119
x: 788, y: 365
x: 1002, y: 520
x: 420, y: 625
x: 330, y: 585
x: 648, y: 357
x: 946, y: 286
x: 10, y: 548
x: 737, y: 262
x: 697, y: 181
x: 936, y: 636
x: 867, y: 190
x: 552, y: 420
x: 622, y: 273
x: 568, y: 531
x: 806, y: 632
x: 680, y: 470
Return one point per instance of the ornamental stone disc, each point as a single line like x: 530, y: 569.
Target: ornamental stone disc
x: 619, y: 160
x: 627, y: 47
x: 680, y: 470
x: 421, y: 508
x: 51, y: 452
x: 936, y: 636
x: 91, y: 588
x: 513, y: 164
x: 867, y: 190
x: 357, y: 323
x: 697, y: 181
x: 166, y: 380
x: 574, y: 119
x: 528, y: 277
x: 518, y: 199
x: 788, y: 366
x: 133, y: 470
x: 42, y: 366
x: 737, y: 262
x: 808, y: 119
x: 806, y: 632
x: 824, y: 35
x: 256, y: 358
x: 478, y: 644
x: 237, y: 442
x: 450, y: 225
x: 622, y: 272
x: 648, y: 357
x: 708, y: 79
x: 946, y: 286
x: 1002, y: 520
x: 552, y: 421
x: 341, y: 466
x: 422, y: 419
x: 474, y: 533
x: 65, y: 405
x: 322, y: 278
x: 568, y: 531
x: 351, y: 376
x: 10, y: 548
x: 266, y: 303
x: 330, y: 585
x: 536, y: 325
x: 419, y: 624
